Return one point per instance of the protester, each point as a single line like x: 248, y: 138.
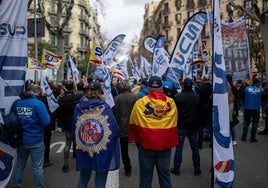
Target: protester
x: 122, y: 110
x: 33, y: 117
x: 65, y: 113
x: 143, y: 88
x: 152, y: 126
x: 187, y: 103
x: 205, y: 111
x: 48, y: 132
x: 115, y: 86
x: 252, y: 96
x: 265, y: 108
x: 96, y: 134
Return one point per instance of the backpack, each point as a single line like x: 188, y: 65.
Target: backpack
x: 12, y: 128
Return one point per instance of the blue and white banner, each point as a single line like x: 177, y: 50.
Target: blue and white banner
x: 51, y: 100
x: 172, y: 76
x: 160, y: 61
x: 142, y: 67
x: 107, y: 87
x: 13, y: 60
x: 147, y: 66
x: 112, y: 48
x: 72, y: 71
x: 7, y: 162
x: 123, y: 68
x: 223, y: 157
x: 186, y: 42
x: 13, y: 51
x: 134, y: 70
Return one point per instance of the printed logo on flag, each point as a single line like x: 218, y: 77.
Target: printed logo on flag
x: 92, y: 132
x: 6, y: 161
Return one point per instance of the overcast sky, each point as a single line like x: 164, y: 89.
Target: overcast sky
x: 123, y: 17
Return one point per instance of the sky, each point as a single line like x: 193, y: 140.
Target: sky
x: 123, y: 17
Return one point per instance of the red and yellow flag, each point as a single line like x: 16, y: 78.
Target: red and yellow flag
x: 51, y: 60
x: 153, y: 122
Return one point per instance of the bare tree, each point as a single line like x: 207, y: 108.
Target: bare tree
x: 262, y: 18
x: 63, y: 7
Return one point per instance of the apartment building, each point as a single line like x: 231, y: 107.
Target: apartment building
x: 168, y: 17
x: 79, y: 31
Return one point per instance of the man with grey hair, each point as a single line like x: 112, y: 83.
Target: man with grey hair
x: 33, y: 117
x: 124, y: 103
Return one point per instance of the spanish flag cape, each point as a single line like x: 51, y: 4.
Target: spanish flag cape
x: 153, y: 122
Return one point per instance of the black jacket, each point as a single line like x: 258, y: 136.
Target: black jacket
x: 65, y: 112
x: 187, y: 103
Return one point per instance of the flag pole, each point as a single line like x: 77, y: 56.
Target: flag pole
x: 212, y: 80
x: 87, y: 69
x: 35, y: 40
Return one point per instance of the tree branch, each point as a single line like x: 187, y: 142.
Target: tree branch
x: 250, y: 14
x: 68, y: 14
x: 42, y: 12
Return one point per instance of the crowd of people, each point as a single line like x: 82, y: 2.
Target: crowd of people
x: 145, y: 112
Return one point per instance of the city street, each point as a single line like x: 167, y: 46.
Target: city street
x: 251, y: 166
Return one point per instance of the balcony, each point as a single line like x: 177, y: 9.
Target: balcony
x: 67, y: 29
x: 167, y: 25
x: 83, y: 47
x: 52, y: 12
x: 166, y: 11
x: 68, y: 46
x: 84, y: 32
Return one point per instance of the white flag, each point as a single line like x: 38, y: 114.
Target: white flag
x: 52, y: 102
x: 223, y: 157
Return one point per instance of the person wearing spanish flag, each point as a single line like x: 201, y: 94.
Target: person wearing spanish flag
x: 153, y: 126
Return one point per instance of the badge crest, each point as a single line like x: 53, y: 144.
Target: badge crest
x: 92, y: 132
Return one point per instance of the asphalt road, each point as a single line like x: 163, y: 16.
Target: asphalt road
x: 251, y: 166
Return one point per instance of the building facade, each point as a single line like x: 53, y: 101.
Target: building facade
x: 168, y: 17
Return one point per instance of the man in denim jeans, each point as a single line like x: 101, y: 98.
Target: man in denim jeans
x: 33, y: 117
x: 153, y: 126
x: 187, y: 103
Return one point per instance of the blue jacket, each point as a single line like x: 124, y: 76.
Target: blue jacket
x: 96, y: 133
x: 33, y: 117
x: 252, y: 97
x: 143, y: 91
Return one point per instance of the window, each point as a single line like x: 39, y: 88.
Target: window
x: 190, y: 13
x: 66, y: 40
x: 52, y: 39
x: 53, y: 21
x: 166, y: 7
x: 52, y: 6
x: 166, y: 35
x: 178, y: 18
x: 166, y: 24
x: 265, y: 5
x: 81, y: 41
x: 178, y: 32
x: 178, y: 4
